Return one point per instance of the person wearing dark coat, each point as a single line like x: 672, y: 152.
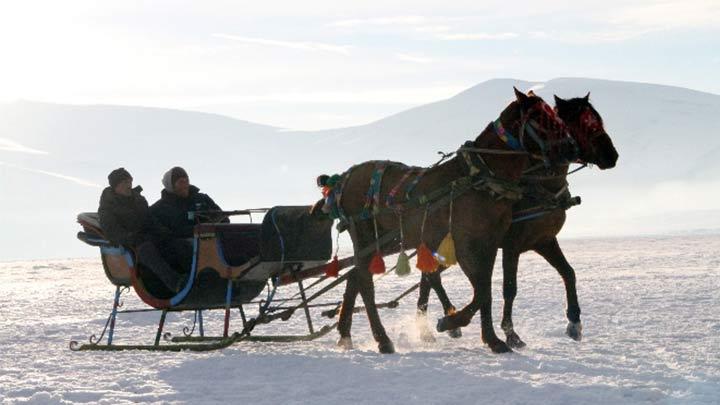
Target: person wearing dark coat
x: 179, y: 210
x: 180, y: 204
x: 126, y: 221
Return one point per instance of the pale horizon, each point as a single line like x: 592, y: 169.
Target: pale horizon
x: 366, y: 121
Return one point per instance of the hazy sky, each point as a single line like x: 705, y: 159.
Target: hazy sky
x: 317, y: 64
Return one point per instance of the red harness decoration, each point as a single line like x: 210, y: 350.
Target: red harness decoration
x: 551, y: 122
x: 589, y: 125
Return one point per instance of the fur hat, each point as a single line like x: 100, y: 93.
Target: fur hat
x: 171, y: 176
x: 117, y: 176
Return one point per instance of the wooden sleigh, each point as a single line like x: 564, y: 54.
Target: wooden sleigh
x: 232, y: 265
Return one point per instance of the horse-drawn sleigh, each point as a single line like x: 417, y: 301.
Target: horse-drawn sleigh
x: 468, y: 200
x: 232, y: 265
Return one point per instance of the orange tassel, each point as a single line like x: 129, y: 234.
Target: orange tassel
x: 377, y: 264
x: 426, y: 262
x: 332, y: 269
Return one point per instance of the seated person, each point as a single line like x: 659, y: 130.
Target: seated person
x: 180, y: 201
x: 178, y: 209
x: 125, y: 219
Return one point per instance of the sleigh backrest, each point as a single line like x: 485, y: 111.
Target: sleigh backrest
x: 116, y: 260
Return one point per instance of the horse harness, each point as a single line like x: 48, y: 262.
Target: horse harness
x: 480, y: 177
x: 543, y: 199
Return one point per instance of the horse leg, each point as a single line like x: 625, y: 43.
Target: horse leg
x: 422, y: 304
x: 478, y: 267
x: 484, y: 292
x: 463, y: 317
x: 553, y: 254
x: 510, y: 267
x: 424, y: 293
x: 367, y: 292
x: 352, y: 288
x: 362, y: 282
x: 436, y: 283
x: 346, y: 313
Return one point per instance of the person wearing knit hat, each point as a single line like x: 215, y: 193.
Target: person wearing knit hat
x: 180, y: 207
x: 171, y: 178
x: 122, y: 209
x: 118, y: 176
x: 126, y: 221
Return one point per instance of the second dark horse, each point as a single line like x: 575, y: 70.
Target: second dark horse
x: 540, y: 234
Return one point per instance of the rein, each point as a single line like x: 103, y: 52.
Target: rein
x: 549, y: 201
x: 445, y: 156
x: 492, y: 151
x: 527, y: 177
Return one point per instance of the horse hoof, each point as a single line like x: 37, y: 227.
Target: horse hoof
x: 574, y: 330
x: 442, y: 325
x: 455, y: 333
x: 514, y: 341
x: 500, y: 347
x: 345, y: 343
x: 386, y: 347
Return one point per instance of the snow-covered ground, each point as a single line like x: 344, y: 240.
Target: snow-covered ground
x: 651, y: 314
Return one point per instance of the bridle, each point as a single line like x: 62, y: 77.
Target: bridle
x: 543, y: 126
x: 547, y: 123
x: 590, y: 127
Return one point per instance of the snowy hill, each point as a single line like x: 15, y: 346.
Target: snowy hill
x: 54, y: 158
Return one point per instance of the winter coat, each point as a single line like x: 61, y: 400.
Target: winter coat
x: 178, y: 214
x: 126, y: 220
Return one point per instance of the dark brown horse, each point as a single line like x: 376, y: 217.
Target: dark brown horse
x: 540, y: 233
x: 482, y: 211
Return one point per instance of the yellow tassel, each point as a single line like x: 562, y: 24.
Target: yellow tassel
x: 446, y: 251
x: 403, y: 265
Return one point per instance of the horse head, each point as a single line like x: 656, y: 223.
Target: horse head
x: 586, y: 127
x: 531, y: 125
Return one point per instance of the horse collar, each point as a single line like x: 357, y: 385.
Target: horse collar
x: 505, y: 135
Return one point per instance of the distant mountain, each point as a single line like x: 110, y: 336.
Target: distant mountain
x: 662, y: 132
x: 51, y: 155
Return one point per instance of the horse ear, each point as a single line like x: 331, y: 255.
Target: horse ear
x: 558, y: 101
x: 521, y: 97
x: 587, y: 97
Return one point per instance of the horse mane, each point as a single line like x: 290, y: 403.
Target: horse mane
x: 510, y: 117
